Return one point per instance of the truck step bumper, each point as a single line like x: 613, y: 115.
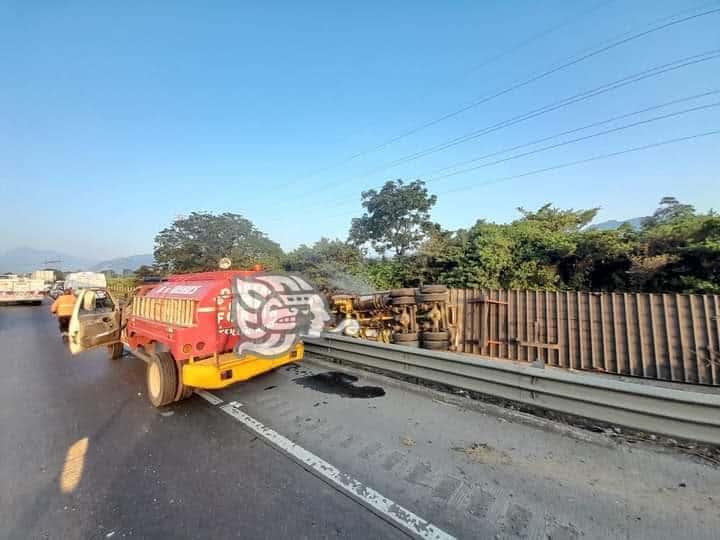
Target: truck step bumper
x: 211, y: 374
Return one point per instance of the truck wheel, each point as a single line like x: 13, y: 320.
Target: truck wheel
x: 407, y: 291
x: 115, y: 351
x: 433, y: 289
x: 397, y: 337
x: 162, y: 379
x: 443, y: 335
x: 186, y: 392
x: 432, y: 297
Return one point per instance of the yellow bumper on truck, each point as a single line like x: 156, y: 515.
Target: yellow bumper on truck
x: 226, y: 369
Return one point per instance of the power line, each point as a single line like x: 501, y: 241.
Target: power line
x: 540, y: 35
x: 485, y: 63
x: 532, y: 79
x: 575, y: 130
x: 582, y: 96
x: 586, y: 137
x: 547, y: 74
x: 630, y: 79
x: 586, y: 160
x: 578, y: 139
x: 578, y: 162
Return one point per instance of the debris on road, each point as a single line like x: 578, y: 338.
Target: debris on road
x: 407, y: 441
x: 484, y: 453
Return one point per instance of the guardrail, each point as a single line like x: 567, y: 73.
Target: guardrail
x: 676, y: 413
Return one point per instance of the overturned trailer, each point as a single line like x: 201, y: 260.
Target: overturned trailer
x: 413, y: 317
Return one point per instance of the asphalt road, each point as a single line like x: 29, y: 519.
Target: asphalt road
x: 191, y: 474
x: 84, y: 455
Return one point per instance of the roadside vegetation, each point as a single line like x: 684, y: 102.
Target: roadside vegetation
x: 394, y: 243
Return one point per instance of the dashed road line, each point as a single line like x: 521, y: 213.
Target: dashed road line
x: 382, y: 506
x: 207, y: 396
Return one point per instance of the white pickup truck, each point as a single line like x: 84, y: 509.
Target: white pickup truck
x: 20, y: 290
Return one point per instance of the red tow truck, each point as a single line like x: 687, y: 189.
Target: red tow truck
x: 181, y: 328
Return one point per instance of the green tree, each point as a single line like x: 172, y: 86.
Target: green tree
x: 396, y: 218
x: 670, y: 210
x: 601, y: 259
x: 527, y: 253
x: 329, y: 265
x: 679, y: 250
x: 197, y: 242
x: 146, y: 271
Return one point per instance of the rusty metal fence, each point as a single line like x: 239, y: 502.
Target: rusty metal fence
x: 672, y: 337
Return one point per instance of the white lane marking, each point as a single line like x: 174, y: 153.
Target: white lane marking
x: 207, y: 396
x: 396, y: 513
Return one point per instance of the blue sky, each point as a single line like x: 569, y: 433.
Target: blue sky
x: 117, y: 117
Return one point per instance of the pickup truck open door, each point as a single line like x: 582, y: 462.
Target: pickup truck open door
x: 95, y: 321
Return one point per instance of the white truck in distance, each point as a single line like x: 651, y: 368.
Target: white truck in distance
x: 20, y: 290
x: 85, y: 280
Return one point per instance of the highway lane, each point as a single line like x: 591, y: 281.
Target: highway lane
x: 195, y: 469
x: 185, y: 472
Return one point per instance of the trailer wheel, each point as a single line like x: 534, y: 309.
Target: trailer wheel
x: 433, y: 289
x: 115, y: 351
x: 443, y: 335
x: 397, y: 337
x: 407, y: 291
x: 432, y: 297
x: 162, y: 379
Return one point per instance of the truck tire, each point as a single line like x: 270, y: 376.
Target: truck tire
x: 432, y: 297
x: 400, y: 338
x: 162, y: 379
x: 436, y: 336
x: 115, y: 351
x: 413, y: 344
x: 186, y: 392
x: 407, y: 291
x: 433, y: 288
x: 402, y: 300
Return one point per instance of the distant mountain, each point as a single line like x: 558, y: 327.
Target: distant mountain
x: 635, y: 223
x: 25, y: 259
x: 133, y: 262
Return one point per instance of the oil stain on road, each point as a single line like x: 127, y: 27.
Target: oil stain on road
x: 341, y: 384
